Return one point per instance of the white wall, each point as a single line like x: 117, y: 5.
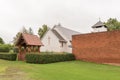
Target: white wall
x: 66, y: 47
x: 54, y: 43
x: 101, y: 29
x: 69, y: 49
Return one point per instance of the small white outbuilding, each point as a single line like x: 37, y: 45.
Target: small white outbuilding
x: 99, y: 27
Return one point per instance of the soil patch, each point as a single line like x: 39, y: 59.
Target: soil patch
x: 13, y: 73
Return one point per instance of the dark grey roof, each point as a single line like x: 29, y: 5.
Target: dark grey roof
x: 58, y: 36
x: 65, y: 32
x: 98, y: 24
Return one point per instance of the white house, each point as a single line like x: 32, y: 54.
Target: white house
x: 99, y: 27
x: 58, y: 39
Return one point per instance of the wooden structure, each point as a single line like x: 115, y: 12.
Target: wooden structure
x: 27, y: 43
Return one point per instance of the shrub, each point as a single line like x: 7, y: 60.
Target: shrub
x: 11, y: 51
x: 11, y: 57
x: 48, y: 58
x: 15, y: 50
x: 5, y: 47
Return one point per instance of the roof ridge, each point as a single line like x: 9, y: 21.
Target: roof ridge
x: 29, y: 34
x: 59, y: 25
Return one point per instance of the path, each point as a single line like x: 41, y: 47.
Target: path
x: 13, y: 73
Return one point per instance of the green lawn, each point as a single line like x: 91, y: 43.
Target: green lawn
x: 72, y: 70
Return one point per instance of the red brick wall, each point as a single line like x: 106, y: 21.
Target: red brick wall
x: 103, y: 47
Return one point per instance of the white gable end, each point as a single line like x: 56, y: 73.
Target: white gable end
x: 58, y: 39
x: 100, y: 29
x: 50, y: 42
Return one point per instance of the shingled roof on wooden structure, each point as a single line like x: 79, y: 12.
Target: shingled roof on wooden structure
x: 28, y: 39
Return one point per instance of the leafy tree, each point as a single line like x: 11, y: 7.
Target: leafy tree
x: 113, y: 24
x: 16, y: 37
x: 30, y: 31
x: 42, y: 30
x: 1, y: 41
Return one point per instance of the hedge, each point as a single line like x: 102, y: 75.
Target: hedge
x: 11, y: 57
x: 48, y: 58
x: 5, y: 47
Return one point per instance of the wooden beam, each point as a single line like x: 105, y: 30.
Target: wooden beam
x: 39, y: 49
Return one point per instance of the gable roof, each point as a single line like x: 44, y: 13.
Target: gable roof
x: 58, y: 36
x: 62, y: 32
x: 29, y: 39
x: 98, y: 24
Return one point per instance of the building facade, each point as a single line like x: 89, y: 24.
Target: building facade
x: 58, y: 39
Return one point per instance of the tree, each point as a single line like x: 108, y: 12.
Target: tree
x: 30, y: 31
x: 42, y: 30
x: 1, y: 41
x: 113, y: 24
x: 16, y: 37
x: 24, y: 30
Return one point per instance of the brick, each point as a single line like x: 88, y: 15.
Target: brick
x: 102, y: 47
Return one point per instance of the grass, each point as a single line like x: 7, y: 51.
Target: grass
x: 72, y: 70
x: 4, y: 52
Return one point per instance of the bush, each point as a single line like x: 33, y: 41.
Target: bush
x: 5, y: 47
x: 48, y: 58
x: 11, y: 57
x: 15, y: 50
x: 11, y: 51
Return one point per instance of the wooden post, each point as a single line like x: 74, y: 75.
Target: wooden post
x: 19, y: 53
x: 25, y: 50
x: 39, y: 49
x: 34, y: 50
x: 28, y: 49
x: 19, y: 47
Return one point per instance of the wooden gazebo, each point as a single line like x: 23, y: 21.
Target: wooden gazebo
x: 27, y: 43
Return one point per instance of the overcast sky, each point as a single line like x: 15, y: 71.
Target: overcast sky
x: 78, y: 15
